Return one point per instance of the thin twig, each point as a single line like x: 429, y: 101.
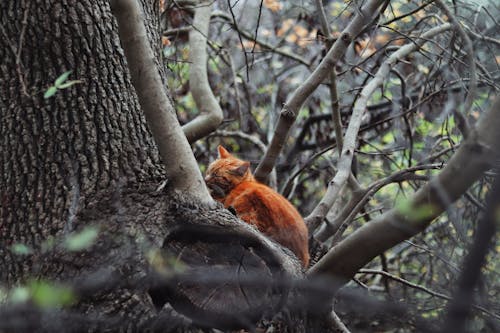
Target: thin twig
x: 424, y: 289
x: 261, y: 43
x: 472, y: 92
x: 240, y: 38
x: 241, y: 135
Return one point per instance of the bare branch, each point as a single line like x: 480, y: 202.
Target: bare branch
x: 338, y: 323
x: 292, y: 106
x: 472, y: 92
x: 361, y: 197
x: 337, y: 123
x: 483, y: 38
x: 211, y: 114
x: 474, y: 157
x: 182, y: 171
x: 239, y: 134
x: 350, y: 139
x: 424, y: 289
x: 261, y: 43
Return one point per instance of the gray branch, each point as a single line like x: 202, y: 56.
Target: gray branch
x: 211, y: 114
x: 350, y: 139
x: 291, y: 108
x: 182, y: 170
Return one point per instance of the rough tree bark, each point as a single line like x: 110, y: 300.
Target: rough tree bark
x: 57, y: 153
x: 85, y: 156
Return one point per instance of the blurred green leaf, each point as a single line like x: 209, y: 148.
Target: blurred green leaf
x: 406, y: 208
x: 388, y: 137
x: 21, y: 249
x: 82, y: 240
x: 47, y: 295
x: 19, y: 295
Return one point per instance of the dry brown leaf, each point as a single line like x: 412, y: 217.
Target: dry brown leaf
x: 273, y: 5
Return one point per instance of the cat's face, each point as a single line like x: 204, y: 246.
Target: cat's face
x: 225, y: 173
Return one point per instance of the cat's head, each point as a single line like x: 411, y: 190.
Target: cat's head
x: 225, y: 173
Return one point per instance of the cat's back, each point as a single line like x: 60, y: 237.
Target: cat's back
x: 265, y: 207
x: 272, y: 214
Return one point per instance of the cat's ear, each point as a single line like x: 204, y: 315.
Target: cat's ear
x: 242, y: 169
x: 223, y: 153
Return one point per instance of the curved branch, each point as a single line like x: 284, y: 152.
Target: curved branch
x: 291, y: 108
x: 210, y: 111
x: 350, y: 139
x: 474, y: 157
x: 182, y: 170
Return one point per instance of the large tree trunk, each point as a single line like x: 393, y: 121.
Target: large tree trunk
x: 85, y: 156
x: 57, y: 153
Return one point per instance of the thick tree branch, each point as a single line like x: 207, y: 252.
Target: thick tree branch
x: 181, y: 167
x: 210, y: 111
x: 292, y: 106
x: 350, y: 139
x: 475, y: 156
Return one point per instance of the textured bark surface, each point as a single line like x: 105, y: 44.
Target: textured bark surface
x: 56, y: 153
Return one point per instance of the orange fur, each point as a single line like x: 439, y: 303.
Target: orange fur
x: 231, y: 183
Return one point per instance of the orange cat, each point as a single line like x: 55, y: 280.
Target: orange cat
x: 231, y: 183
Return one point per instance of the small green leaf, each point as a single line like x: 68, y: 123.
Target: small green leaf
x: 50, y: 92
x: 81, y: 240
x: 47, y: 295
x: 21, y: 249
x: 19, y: 295
x: 68, y: 84
x: 61, y: 79
x: 409, y: 211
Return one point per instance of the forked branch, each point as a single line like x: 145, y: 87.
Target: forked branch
x: 291, y: 108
